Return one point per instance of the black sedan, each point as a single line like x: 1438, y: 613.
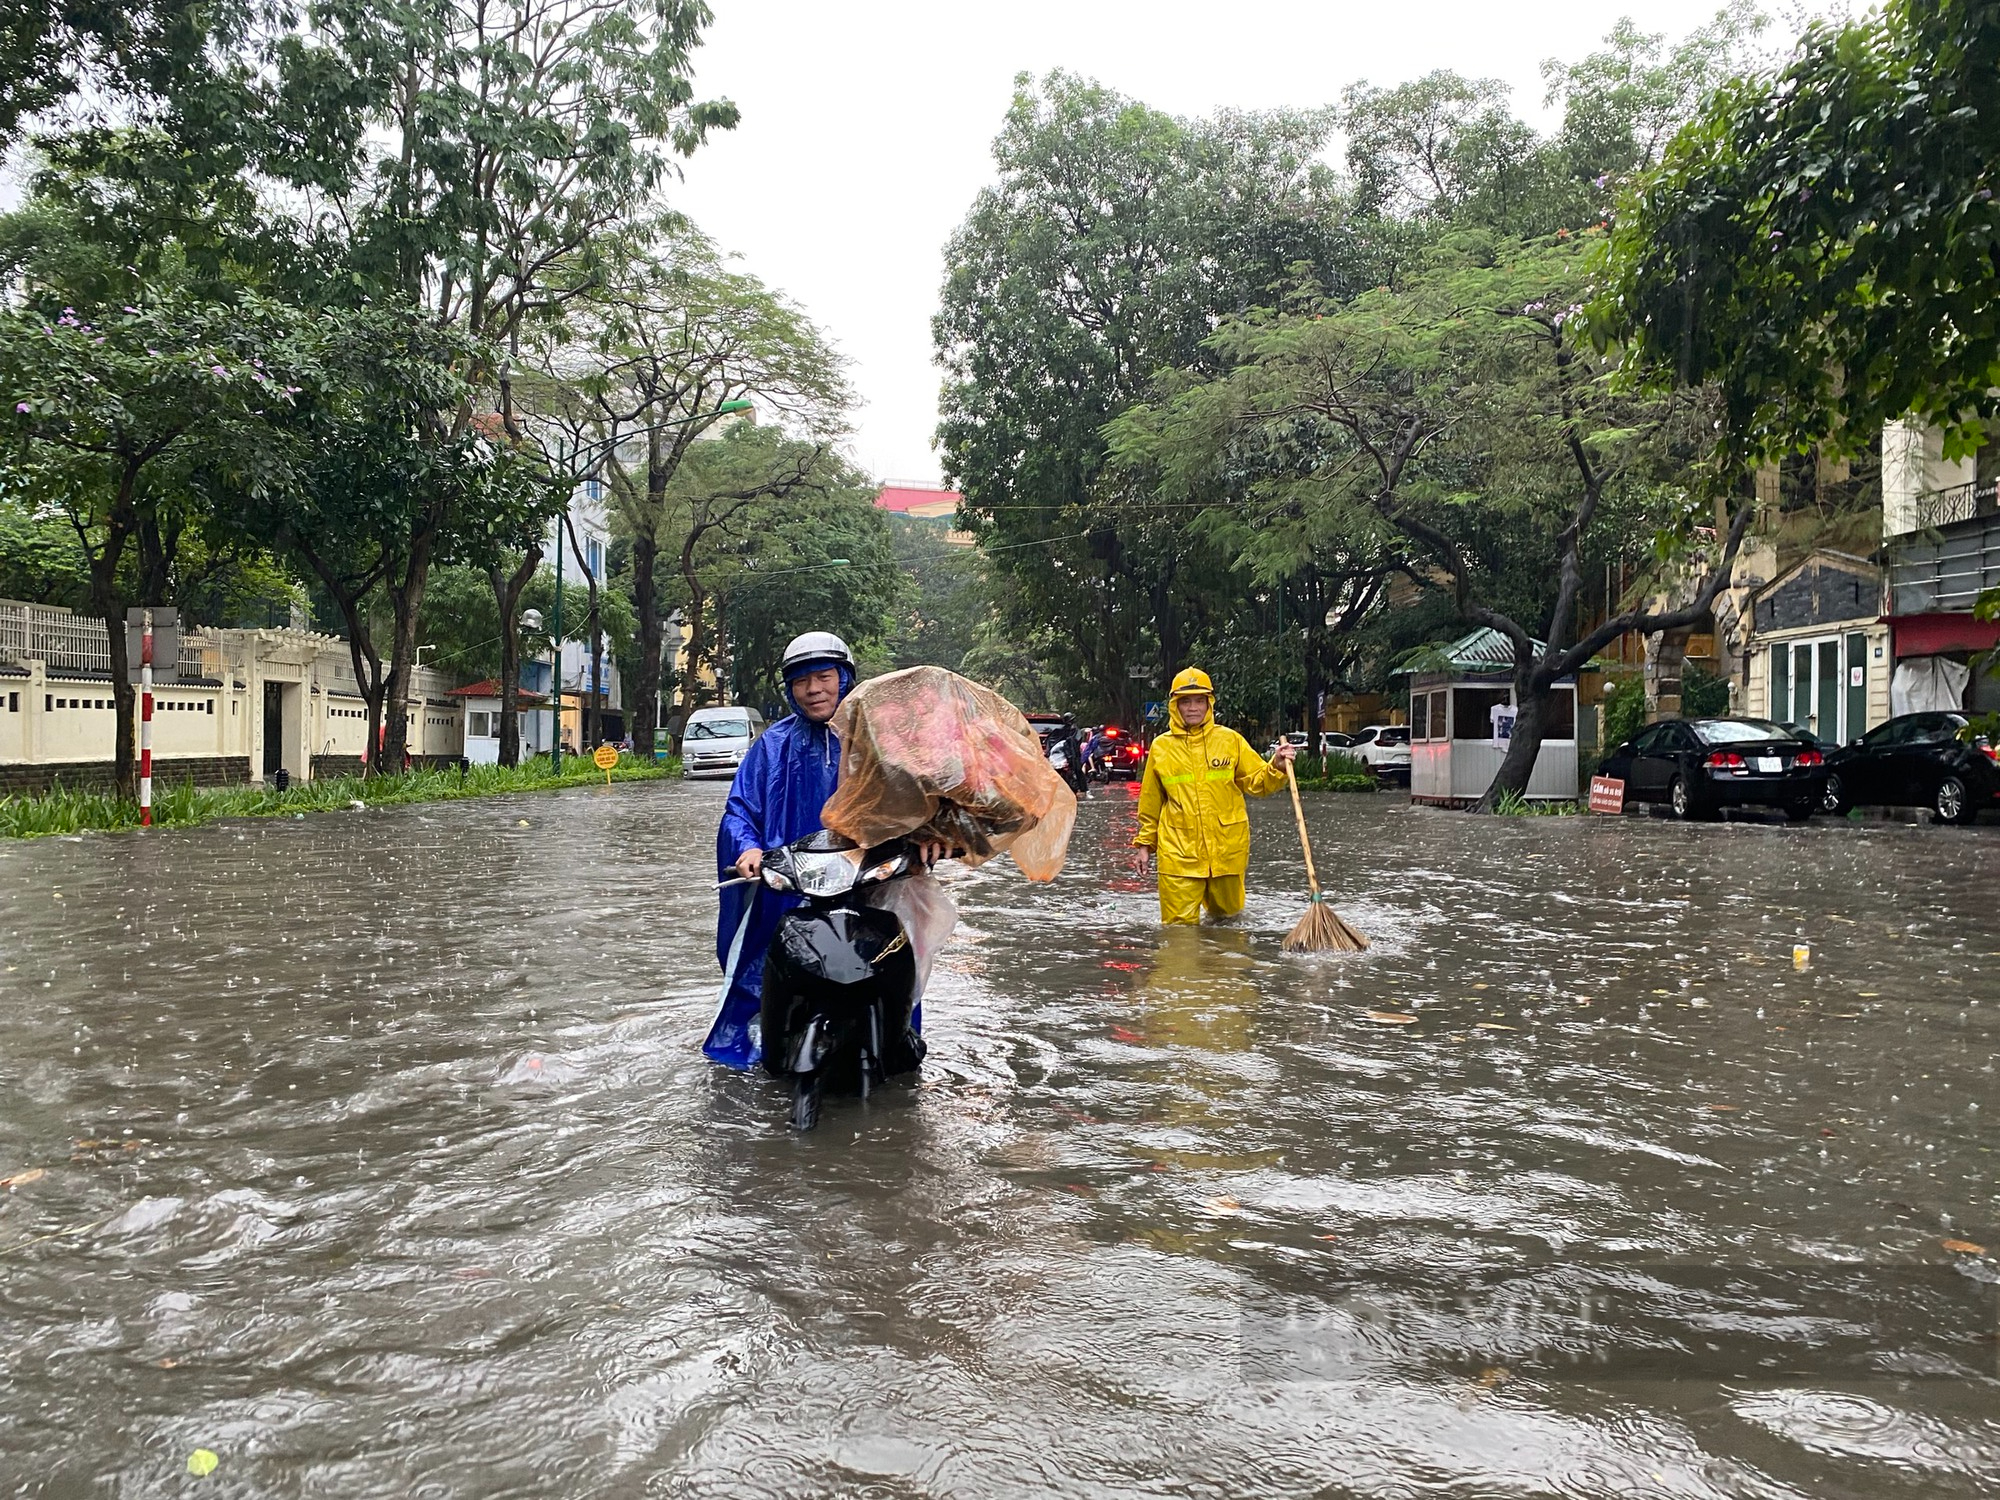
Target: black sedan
x: 1916, y: 760
x: 1699, y: 766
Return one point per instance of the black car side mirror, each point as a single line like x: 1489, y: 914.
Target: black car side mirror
x: 1624, y: 749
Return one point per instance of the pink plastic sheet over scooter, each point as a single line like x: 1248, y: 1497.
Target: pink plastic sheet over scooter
x: 927, y: 753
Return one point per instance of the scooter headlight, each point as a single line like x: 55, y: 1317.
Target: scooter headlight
x: 826, y: 874
x: 888, y: 869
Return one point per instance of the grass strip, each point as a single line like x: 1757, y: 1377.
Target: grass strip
x: 182, y: 804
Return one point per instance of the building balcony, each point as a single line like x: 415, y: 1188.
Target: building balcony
x: 1943, y: 568
x: 1961, y: 502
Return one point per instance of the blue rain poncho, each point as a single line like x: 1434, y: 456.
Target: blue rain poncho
x: 784, y: 781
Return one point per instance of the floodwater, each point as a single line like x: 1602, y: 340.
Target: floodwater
x: 379, y: 1160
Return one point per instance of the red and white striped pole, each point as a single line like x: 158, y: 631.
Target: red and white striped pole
x: 146, y: 719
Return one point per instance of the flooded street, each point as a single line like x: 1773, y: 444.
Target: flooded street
x: 380, y: 1160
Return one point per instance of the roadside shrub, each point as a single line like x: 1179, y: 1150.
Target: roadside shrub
x: 181, y: 804
x: 1338, y: 773
x: 1624, y: 711
x: 1514, y: 805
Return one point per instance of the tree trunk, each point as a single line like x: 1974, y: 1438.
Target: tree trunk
x: 1532, y: 691
x: 111, y: 609
x: 109, y: 601
x: 367, y: 678
x: 406, y: 599
x: 642, y: 714
x: 507, y: 591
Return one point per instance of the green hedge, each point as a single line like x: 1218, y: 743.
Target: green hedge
x: 181, y: 804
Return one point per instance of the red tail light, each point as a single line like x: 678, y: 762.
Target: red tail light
x: 1724, y: 760
x: 1992, y: 752
x: 1810, y: 758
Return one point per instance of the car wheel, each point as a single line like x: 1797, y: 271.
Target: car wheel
x: 1680, y: 800
x: 1834, y: 799
x: 1952, y: 804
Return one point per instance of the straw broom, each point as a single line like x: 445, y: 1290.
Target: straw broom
x: 1320, y: 930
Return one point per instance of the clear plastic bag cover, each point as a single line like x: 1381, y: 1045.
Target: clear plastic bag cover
x: 926, y: 911
x: 927, y: 753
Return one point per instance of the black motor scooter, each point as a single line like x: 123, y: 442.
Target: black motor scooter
x: 841, y: 977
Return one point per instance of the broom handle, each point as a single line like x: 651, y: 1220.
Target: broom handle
x: 1299, y: 812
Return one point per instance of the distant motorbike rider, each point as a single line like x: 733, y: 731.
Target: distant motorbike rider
x: 785, y: 779
x: 1192, y: 820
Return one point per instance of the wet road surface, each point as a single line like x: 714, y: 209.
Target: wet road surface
x: 379, y: 1160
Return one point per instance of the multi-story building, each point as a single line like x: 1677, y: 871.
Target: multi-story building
x: 1941, y: 540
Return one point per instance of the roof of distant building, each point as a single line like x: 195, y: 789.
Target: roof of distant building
x: 490, y: 688
x: 909, y: 498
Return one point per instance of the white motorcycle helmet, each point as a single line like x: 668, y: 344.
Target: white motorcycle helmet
x: 814, y: 650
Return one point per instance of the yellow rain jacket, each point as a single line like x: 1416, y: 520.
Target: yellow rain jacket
x: 1191, y: 812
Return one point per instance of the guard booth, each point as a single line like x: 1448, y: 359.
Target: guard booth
x: 1462, y: 713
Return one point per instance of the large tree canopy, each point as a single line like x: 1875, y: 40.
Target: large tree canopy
x: 1823, y: 241
x: 1113, y: 239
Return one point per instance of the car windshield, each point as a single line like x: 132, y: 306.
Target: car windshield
x: 1740, y: 731
x: 719, y: 729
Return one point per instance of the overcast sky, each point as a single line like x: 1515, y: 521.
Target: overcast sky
x: 867, y: 127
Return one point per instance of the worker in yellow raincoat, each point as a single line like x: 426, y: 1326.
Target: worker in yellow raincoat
x: 1191, y: 813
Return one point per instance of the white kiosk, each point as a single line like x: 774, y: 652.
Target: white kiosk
x: 1461, y: 714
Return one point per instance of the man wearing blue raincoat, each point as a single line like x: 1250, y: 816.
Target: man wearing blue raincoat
x: 785, y: 780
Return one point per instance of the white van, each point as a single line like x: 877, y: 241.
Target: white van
x: 717, y: 739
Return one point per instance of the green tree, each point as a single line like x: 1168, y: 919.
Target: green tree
x: 634, y: 381
x: 498, y: 160
x: 1413, y: 421
x: 1112, y: 240
x: 376, y: 494
x: 39, y: 560
x: 786, y: 579
x: 120, y: 415
x: 757, y: 501
x: 949, y: 597
x: 1820, y: 242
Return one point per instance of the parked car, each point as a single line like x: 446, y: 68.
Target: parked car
x: 1298, y: 739
x: 1385, y: 750
x: 1916, y: 760
x: 717, y: 739
x: 1057, y: 733
x: 1698, y: 766
x: 1333, y: 740
x: 1122, y: 755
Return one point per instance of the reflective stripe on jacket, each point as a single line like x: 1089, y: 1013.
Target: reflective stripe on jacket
x: 1191, y: 812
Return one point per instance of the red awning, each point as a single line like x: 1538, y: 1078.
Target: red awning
x: 1936, y: 635
x: 490, y: 688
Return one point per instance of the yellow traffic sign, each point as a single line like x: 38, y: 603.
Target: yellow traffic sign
x: 605, y: 757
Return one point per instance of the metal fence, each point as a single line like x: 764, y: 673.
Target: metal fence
x: 65, y: 642
x: 1962, y: 502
